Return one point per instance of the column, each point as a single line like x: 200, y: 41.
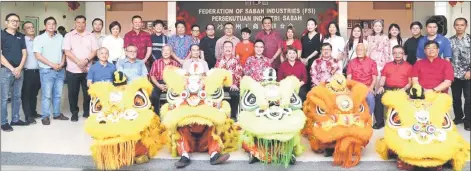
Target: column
x: 171, y: 16
x: 343, y: 18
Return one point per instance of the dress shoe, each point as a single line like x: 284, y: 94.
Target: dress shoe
x: 183, y: 162
x: 74, y: 118
x: 467, y: 126
x: 86, y: 115
x: 328, y: 152
x: 457, y: 121
x: 218, y: 158
x: 252, y: 159
x: 37, y: 115
x: 19, y: 123
x: 378, y: 125
x: 61, y: 117
x: 31, y: 121
x: 7, y: 128
x: 46, y: 121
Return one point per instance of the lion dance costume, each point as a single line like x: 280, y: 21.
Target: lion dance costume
x: 271, y: 119
x: 419, y: 131
x: 122, y: 123
x: 339, y: 122
x: 196, y: 116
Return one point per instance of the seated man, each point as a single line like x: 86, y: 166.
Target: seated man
x: 229, y: 62
x: 194, y: 58
x: 101, y: 70
x: 131, y: 66
x: 395, y: 75
x: 156, y: 75
x: 363, y: 69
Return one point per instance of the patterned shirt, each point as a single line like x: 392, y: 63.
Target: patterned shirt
x: 141, y: 41
x: 378, y: 50
x: 461, y: 59
x: 180, y: 45
x: 158, y: 67
x: 322, y: 70
x: 231, y: 64
x: 255, y: 66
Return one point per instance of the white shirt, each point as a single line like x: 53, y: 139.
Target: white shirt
x: 338, y: 45
x: 115, y: 47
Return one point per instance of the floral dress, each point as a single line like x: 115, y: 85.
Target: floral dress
x: 378, y: 50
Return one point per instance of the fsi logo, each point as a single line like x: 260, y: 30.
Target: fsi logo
x: 255, y: 3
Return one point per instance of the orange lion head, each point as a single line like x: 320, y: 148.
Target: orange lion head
x: 336, y: 110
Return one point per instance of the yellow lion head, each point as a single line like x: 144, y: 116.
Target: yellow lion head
x: 122, y: 116
x: 198, y: 98
x: 419, y: 129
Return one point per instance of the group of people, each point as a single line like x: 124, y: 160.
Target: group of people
x: 382, y: 61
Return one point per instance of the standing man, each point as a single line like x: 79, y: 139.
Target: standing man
x: 432, y: 35
x: 140, y: 39
x: 229, y: 62
x: 31, y: 82
x: 48, y: 51
x: 195, y: 34
x: 433, y: 73
x: 159, y: 39
x: 272, y: 41
x: 97, y: 25
x: 410, y: 46
x: 180, y: 42
x: 13, y: 59
x: 80, y: 47
x: 208, y: 46
x: 395, y: 75
x: 461, y: 61
x: 228, y: 36
x: 363, y: 69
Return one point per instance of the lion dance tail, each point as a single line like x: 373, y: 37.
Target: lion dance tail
x: 348, y: 152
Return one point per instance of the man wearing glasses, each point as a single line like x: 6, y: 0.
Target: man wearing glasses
x: 395, y: 75
x: 195, y: 33
x: 208, y: 45
x: 131, y: 66
x: 228, y: 36
x: 12, y: 61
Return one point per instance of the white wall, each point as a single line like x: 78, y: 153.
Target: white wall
x: 460, y: 10
x: 37, y: 9
x: 95, y: 10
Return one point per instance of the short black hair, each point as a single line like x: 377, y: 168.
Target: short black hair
x: 208, y: 26
x: 97, y: 19
x: 115, y: 23
x: 26, y: 22
x: 180, y: 22
x: 259, y: 40
x: 430, y: 21
x: 461, y: 18
x: 326, y: 44
x: 398, y: 46
x: 229, y: 42
x: 246, y: 30
x: 136, y: 16
x: 194, y: 25
x: 61, y: 28
x: 267, y: 18
x: 49, y: 18
x: 228, y: 23
x: 337, y: 33
x: 154, y: 23
x: 80, y: 17
x: 431, y: 42
x: 11, y: 14
x: 416, y: 23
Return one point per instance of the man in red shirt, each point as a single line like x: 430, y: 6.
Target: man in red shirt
x: 140, y: 39
x: 272, y: 40
x: 156, y: 76
x: 363, y: 69
x: 395, y: 75
x: 433, y: 73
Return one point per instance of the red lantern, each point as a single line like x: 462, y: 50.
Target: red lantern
x: 108, y: 5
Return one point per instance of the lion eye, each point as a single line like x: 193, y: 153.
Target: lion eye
x: 320, y: 111
x: 446, y: 122
x: 96, y: 105
x: 394, y: 119
x: 140, y: 99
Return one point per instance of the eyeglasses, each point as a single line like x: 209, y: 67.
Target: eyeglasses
x: 228, y: 28
x: 14, y: 21
x: 132, y: 51
x: 396, y: 53
x: 195, y: 30
x: 327, y: 49
x: 27, y: 28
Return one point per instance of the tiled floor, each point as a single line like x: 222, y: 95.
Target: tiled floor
x: 69, y: 139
